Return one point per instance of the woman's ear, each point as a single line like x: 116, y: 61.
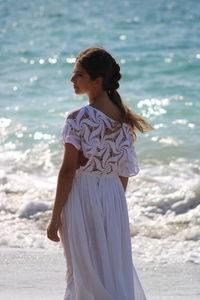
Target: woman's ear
x: 99, y: 81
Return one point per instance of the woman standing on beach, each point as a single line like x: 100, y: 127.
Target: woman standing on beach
x: 90, y: 209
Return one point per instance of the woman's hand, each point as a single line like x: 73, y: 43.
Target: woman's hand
x: 52, y: 230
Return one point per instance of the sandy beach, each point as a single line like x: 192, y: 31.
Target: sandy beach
x: 40, y: 275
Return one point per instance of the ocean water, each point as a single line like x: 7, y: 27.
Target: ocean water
x: 157, y: 45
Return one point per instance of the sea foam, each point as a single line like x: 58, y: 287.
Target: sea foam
x: 163, y: 206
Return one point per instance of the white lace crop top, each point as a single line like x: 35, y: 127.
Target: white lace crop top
x: 106, y: 143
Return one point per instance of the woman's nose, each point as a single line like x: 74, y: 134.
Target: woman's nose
x: 72, y: 78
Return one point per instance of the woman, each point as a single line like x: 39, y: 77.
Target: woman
x: 90, y: 209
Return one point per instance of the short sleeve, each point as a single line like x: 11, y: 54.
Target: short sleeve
x: 71, y: 132
x: 128, y: 166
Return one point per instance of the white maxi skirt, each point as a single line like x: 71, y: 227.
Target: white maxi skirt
x: 96, y: 239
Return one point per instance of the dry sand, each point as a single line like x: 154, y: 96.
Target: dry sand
x: 40, y: 275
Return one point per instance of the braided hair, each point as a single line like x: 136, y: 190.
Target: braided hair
x: 99, y: 63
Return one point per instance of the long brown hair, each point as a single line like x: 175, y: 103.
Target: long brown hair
x: 99, y: 63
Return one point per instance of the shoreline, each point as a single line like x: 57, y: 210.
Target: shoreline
x: 36, y: 274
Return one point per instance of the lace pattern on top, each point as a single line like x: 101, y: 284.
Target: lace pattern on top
x: 106, y: 143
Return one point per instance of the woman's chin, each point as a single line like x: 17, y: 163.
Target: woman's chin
x: 76, y: 91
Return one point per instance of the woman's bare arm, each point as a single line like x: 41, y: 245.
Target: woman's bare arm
x: 124, y: 181
x: 64, y: 184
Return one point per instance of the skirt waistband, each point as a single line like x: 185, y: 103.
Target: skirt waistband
x: 110, y: 175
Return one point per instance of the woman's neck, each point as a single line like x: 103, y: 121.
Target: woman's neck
x: 99, y: 99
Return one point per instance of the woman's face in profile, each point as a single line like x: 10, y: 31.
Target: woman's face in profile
x: 81, y: 80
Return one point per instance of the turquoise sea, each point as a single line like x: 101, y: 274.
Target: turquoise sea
x: 157, y: 45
